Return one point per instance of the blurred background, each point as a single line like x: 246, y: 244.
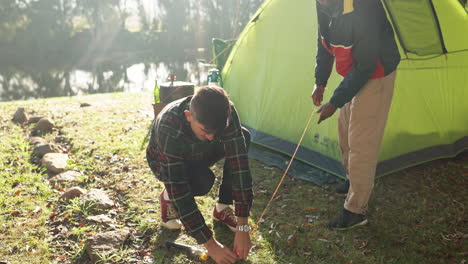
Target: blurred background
x: 54, y: 48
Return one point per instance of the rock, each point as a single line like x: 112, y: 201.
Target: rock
x: 100, y: 219
x: 106, y: 243
x: 64, y: 177
x: 20, y: 116
x: 85, y: 104
x: 41, y: 150
x: 72, y: 192
x: 54, y: 162
x: 35, y: 119
x: 98, y: 198
x: 44, y: 124
x: 35, y: 141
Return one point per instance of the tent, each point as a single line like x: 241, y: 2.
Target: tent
x: 269, y: 75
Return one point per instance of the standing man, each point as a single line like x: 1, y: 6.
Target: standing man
x: 188, y: 137
x: 360, y: 38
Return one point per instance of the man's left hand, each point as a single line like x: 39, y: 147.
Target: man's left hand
x: 325, y: 111
x: 242, y: 244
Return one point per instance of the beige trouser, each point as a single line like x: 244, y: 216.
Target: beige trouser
x: 361, y: 127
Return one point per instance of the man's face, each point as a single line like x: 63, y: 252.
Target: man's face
x: 199, y: 129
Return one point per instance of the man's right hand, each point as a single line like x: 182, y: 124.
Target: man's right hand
x: 317, y: 95
x: 219, y: 253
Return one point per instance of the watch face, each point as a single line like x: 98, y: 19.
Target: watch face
x: 244, y: 228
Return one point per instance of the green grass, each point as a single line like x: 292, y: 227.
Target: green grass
x: 416, y: 216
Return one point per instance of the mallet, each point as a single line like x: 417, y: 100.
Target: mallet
x: 193, y: 250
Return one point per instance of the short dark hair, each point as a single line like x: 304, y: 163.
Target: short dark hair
x: 210, y: 107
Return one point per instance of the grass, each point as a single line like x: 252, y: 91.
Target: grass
x: 416, y: 216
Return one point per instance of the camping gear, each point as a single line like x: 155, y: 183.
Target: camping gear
x: 284, y: 175
x: 269, y: 75
x: 191, y: 250
x: 213, y: 77
x: 170, y: 91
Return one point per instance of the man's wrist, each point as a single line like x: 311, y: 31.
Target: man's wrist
x: 210, y: 243
x: 242, y: 220
x: 243, y: 224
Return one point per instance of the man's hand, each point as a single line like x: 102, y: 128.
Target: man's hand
x: 325, y: 111
x: 242, y: 244
x: 219, y: 253
x: 317, y: 94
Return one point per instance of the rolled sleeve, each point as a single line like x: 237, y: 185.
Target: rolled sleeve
x: 238, y: 165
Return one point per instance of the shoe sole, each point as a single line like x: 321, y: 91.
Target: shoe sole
x: 170, y: 227
x: 233, y: 229
x: 351, y: 227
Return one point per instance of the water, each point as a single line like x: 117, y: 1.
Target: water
x: 137, y: 77
x: 66, y: 48
x: 138, y: 80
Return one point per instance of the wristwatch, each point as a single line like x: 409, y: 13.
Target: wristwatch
x: 243, y: 228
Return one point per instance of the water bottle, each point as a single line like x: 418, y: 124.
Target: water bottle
x: 213, y: 77
x: 157, y: 100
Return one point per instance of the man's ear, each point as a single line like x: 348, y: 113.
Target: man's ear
x: 188, y: 116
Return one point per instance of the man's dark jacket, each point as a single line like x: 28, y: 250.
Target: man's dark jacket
x: 360, y: 38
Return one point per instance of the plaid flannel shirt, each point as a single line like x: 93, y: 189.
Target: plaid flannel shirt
x: 173, y: 143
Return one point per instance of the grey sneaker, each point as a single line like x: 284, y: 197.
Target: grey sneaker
x: 347, y: 220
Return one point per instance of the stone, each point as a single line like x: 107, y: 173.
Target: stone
x: 54, y: 162
x: 35, y: 119
x: 106, y: 243
x: 41, y: 150
x: 72, y: 192
x: 66, y: 176
x: 100, y: 219
x: 20, y: 116
x: 44, y: 124
x: 35, y: 141
x: 98, y: 198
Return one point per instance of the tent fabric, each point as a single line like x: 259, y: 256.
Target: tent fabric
x: 424, y: 27
x: 269, y: 75
x: 221, y: 50
x: 297, y: 169
x: 417, y: 26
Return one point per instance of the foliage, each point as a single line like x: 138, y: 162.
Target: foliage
x: 416, y: 216
x: 42, y: 42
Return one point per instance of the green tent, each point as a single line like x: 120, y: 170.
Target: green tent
x: 269, y: 74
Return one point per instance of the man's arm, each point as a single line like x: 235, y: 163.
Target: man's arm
x: 238, y: 165
x: 366, y: 54
x: 324, y: 59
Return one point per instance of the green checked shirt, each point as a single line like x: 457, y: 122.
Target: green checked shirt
x: 173, y: 143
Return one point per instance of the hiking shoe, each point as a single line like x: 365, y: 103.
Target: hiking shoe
x: 226, y: 217
x: 343, y: 188
x: 347, y: 220
x: 169, y: 215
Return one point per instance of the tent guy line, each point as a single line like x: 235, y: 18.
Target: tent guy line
x: 284, y: 174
